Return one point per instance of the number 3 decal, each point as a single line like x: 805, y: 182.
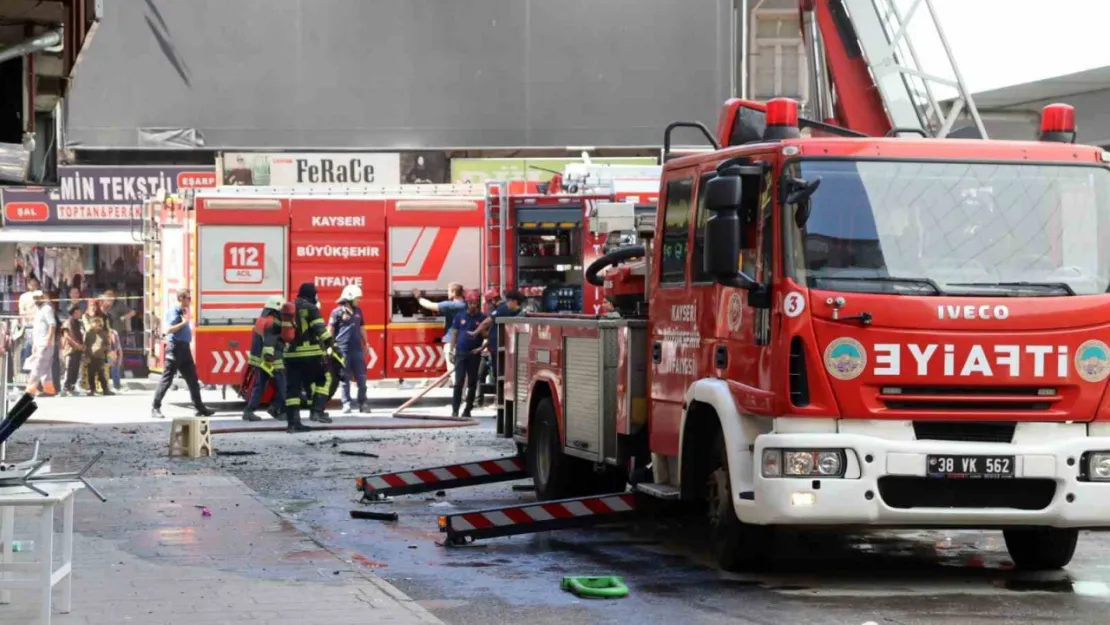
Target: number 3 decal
x: 794, y: 304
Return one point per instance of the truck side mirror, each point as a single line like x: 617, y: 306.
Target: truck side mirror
x: 723, y: 228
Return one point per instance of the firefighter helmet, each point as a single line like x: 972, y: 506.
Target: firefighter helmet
x: 274, y: 302
x: 351, y: 292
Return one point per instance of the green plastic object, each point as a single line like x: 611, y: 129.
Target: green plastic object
x: 611, y: 587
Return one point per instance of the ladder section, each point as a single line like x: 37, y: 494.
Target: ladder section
x: 497, y: 215
x: 912, y: 65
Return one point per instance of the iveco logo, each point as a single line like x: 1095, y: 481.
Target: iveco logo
x: 972, y: 312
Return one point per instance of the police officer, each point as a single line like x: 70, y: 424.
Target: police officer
x: 304, y: 361
x: 347, y: 327
x: 272, y: 331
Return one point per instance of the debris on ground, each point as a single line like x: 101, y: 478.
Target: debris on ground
x: 361, y: 454
x: 605, y: 587
x: 223, y: 452
x: 204, y: 511
x: 373, y: 516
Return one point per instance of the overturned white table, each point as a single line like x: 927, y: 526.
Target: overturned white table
x: 41, y: 574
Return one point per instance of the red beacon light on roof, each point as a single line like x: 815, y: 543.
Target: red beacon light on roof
x: 1058, y: 123
x: 782, y: 120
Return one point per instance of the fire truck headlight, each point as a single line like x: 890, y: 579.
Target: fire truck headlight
x: 806, y: 463
x: 830, y: 463
x: 799, y: 463
x: 772, y: 463
x: 1098, y: 466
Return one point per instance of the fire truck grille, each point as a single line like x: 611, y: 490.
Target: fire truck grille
x: 1005, y: 399
x: 905, y: 492
x: 965, y: 431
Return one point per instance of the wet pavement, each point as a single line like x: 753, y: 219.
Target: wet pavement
x: 894, y: 577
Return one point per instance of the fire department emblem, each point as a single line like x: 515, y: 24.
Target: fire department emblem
x: 845, y: 358
x: 1092, y: 361
x: 735, y: 312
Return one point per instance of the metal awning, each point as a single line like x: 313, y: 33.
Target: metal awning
x: 60, y: 235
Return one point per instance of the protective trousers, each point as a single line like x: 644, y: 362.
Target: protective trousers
x: 304, y: 377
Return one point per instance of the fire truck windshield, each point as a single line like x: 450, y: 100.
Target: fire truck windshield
x: 953, y: 228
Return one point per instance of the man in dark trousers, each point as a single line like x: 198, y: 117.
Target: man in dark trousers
x: 510, y: 307
x: 350, y: 337
x: 179, y: 358
x: 468, y: 352
x: 305, y: 368
x: 272, y: 331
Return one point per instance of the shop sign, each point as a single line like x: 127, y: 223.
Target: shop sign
x: 479, y: 170
x: 311, y: 169
x: 95, y: 195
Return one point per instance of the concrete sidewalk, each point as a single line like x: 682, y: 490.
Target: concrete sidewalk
x: 150, y: 557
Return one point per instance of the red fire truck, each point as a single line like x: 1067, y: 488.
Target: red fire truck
x: 833, y: 331
x: 547, y: 242
x: 235, y: 246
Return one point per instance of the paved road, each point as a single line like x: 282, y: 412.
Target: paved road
x: 902, y: 578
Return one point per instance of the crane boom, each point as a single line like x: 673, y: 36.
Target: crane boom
x: 866, y: 68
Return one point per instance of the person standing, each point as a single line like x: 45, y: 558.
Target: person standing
x: 98, y: 341
x: 42, y: 347
x: 305, y: 368
x: 454, y: 305
x: 119, y: 320
x: 350, y: 337
x: 27, y: 311
x: 267, y: 355
x: 179, y: 357
x: 468, y: 353
x: 73, y: 348
x: 510, y: 307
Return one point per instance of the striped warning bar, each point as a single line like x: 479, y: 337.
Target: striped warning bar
x: 538, y: 517
x: 442, y: 478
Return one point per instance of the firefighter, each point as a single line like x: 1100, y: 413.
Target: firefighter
x: 350, y: 338
x: 468, y: 346
x: 305, y: 367
x: 273, y: 330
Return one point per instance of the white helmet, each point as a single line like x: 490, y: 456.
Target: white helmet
x: 351, y: 292
x: 274, y: 302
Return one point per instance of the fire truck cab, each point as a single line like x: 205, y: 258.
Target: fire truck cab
x: 843, y: 332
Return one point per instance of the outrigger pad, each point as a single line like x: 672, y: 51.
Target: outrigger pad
x: 610, y: 587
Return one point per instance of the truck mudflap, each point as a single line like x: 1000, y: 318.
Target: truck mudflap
x: 382, y: 485
x: 465, y: 527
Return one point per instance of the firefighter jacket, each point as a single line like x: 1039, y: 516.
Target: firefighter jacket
x: 268, y: 341
x: 311, y: 332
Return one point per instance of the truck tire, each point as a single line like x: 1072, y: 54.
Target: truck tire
x: 1042, y: 548
x: 552, y: 471
x: 739, y: 546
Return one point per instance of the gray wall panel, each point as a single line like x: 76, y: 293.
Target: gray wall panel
x: 401, y: 73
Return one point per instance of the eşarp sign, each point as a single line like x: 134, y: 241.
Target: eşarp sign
x: 311, y: 169
x: 104, y: 195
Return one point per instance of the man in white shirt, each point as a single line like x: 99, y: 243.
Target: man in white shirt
x: 42, y: 347
x: 27, y: 310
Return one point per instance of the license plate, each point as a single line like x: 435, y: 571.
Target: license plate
x: 970, y: 467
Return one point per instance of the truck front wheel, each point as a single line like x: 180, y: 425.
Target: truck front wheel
x: 552, y: 471
x: 739, y: 546
x: 1042, y: 548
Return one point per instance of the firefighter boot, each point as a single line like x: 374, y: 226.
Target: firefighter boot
x: 275, y: 413
x: 248, y: 415
x: 317, y: 414
x: 293, y: 420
